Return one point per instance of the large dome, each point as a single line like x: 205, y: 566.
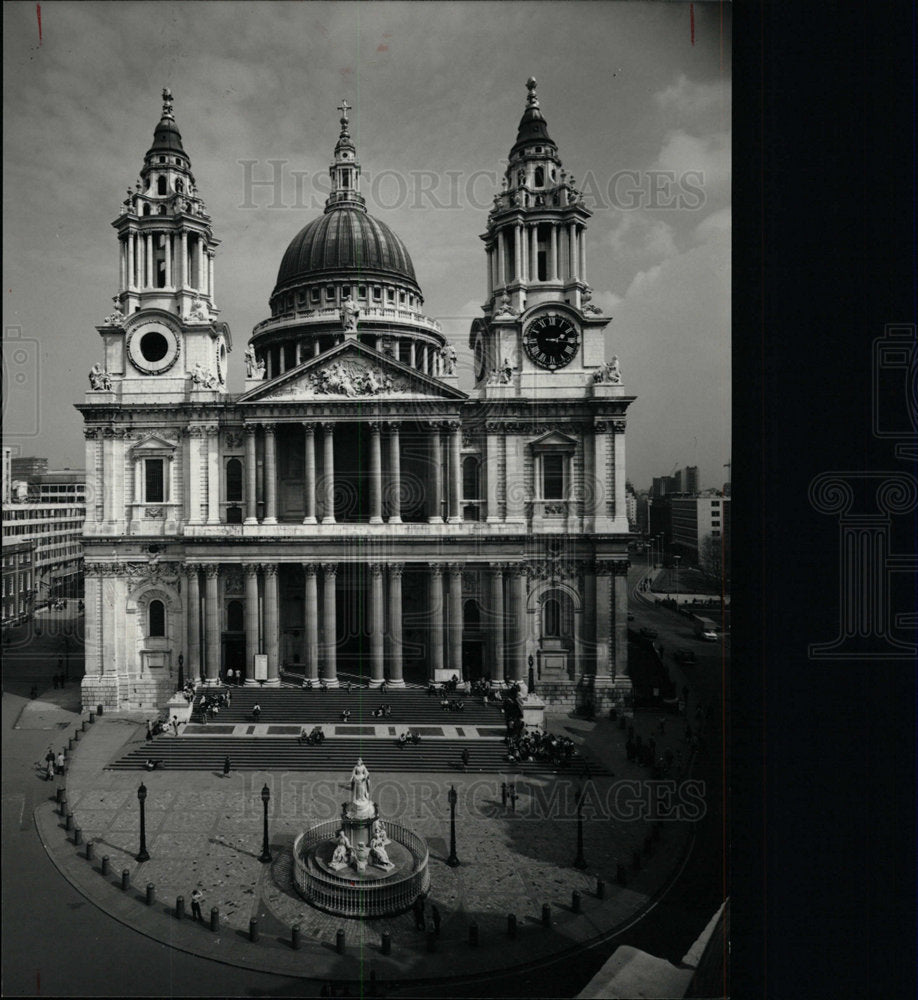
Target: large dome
x: 345, y: 241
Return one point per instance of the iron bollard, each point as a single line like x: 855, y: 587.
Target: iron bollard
x: 546, y: 915
x: 105, y: 865
x: 295, y: 937
x: 600, y: 889
x: 511, y: 926
x: 339, y: 942
x: 92, y: 717
x: 214, y: 919
x: 76, y: 736
x: 125, y: 879
x: 70, y: 743
x: 253, y: 930
x: 68, y: 821
x: 179, y: 907
x: 90, y: 850
x: 620, y: 874
x: 63, y: 800
x: 636, y: 860
x: 386, y: 943
x: 83, y: 725
x: 77, y: 836
x: 575, y: 901
x: 60, y: 792
x: 431, y: 940
x: 473, y: 934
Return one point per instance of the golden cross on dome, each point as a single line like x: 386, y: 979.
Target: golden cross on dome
x: 344, y: 107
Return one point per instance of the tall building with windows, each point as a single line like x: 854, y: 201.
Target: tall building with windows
x: 353, y: 512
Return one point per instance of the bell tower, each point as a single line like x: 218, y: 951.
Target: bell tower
x: 541, y: 335
x: 164, y: 325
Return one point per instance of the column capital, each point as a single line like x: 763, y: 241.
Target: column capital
x: 436, y: 426
x: 611, y: 567
x: 519, y: 569
x: 192, y: 568
x: 375, y: 426
x: 310, y: 568
x: 454, y: 426
x: 436, y: 569
x: 455, y: 568
x: 212, y: 430
x: 394, y: 426
x: 269, y: 569
x: 250, y: 569
x: 328, y: 427
x: 309, y: 426
x: 377, y: 568
x: 330, y: 569
x: 268, y: 428
x: 250, y: 429
x: 396, y: 570
x: 212, y: 570
x: 496, y: 569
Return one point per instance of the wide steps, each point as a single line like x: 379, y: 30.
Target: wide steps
x: 247, y: 753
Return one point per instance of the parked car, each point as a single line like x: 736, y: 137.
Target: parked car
x: 684, y: 655
x: 649, y: 633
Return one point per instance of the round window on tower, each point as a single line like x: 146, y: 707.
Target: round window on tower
x: 153, y: 346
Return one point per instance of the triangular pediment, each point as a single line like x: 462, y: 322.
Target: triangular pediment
x: 154, y: 443
x: 554, y: 439
x: 350, y: 371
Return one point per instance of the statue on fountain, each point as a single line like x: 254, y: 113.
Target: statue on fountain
x: 360, y: 806
x: 343, y: 852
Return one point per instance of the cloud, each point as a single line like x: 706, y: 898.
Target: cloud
x: 638, y: 238
x: 687, y: 99
x: 704, y: 157
x: 716, y: 226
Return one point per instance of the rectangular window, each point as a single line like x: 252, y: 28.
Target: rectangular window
x: 553, y: 477
x: 154, y: 481
x: 314, y: 294
x: 377, y: 293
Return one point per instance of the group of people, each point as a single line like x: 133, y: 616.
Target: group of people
x: 452, y: 704
x: 210, y: 704
x: 531, y: 746
x: 188, y: 692
x: 54, y: 764
x: 409, y: 736
x: 314, y: 737
x: 383, y: 712
x: 157, y: 726
x: 308, y: 685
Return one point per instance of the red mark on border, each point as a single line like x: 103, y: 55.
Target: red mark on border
x: 38, y: 12
x: 692, y: 20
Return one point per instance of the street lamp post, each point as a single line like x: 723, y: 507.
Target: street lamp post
x: 265, y: 798
x: 452, y: 860
x: 676, y: 563
x: 580, y: 860
x: 181, y: 671
x: 142, y: 798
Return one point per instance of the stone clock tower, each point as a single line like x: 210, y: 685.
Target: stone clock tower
x: 541, y: 335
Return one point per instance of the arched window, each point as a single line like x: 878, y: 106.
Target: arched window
x: 539, y: 177
x: 146, y: 209
x: 179, y: 186
x: 551, y: 612
x: 470, y: 486
x: 157, y: 615
x: 234, y: 617
x: 161, y: 185
x: 234, y: 480
x: 471, y: 616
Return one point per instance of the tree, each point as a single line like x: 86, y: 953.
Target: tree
x: 711, y: 560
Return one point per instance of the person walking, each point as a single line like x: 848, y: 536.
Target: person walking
x: 256, y: 711
x: 419, y: 913
x: 174, y: 724
x: 230, y: 674
x: 149, y: 730
x: 197, y: 897
x: 59, y: 762
x: 49, y: 763
x: 226, y: 766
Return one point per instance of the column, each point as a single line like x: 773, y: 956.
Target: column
x: 167, y: 255
x: 587, y: 663
x: 620, y: 619
x: 329, y: 624
x: 272, y: 625
x: 575, y: 263
x: 604, y: 497
x: 581, y: 251
x: 553, y: 256
x: 251, y: 620
x: 309, y: 476
x: 455, y: 472
x: 183, y: 260
x: 534, y: 253
x: 122, y: 265
x: 498, y: 667
x: 455, y: 619
x: 618, y: 474
x: 148, y: 261
x: 131, y: 278
x: 395, y: 625
x: 604, y: 619
x: 489, y: 257
x: 517, y: 251
x: 116, y: 483
x: 311, y: 623
x: 375, y: 475
x: 210, y: 276
x: 395, y: 475
x: 200, y: 242
x: 377, y: 625
x: 434, y: 512
x: 212, y: 623
x: 213, y: 475
x: 518, y: 622
x: 193, y: 619
x: 493, y: 444
x: 251, y: 476
x: 412, y: 354
x: 515, y: 487
x: 270, y: 475
x: 108, y: 497
x: 501, y: 260
x: 435, y: 607
x: 328, y: 458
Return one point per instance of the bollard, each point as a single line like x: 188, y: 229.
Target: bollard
x: 620, y: 875
x: 68, y: 820
x: 386, y: 943
x: 575, y: 901
x: 511, y: 926
x: 99, y: 709
x: 295, y: 937
x: 76, y: 736
x: 70, y: 743
x: 125, y: 879
x: 179, y: 907
x: 636, y: 860
x: 546, y: 915
x: 473, y: 934
x: 90, y: 850
x: 77, y: 836
x: 83, y: 725
x: 105, y: 865
x: 431, y: 940
x: 600, y: 889
x: 60, y: 792
x: 339, y: 942
x: 92, y: 717
x: 214, y: 919
x: 151, y: 893
x: 63, y: 800
x: 253, y: 930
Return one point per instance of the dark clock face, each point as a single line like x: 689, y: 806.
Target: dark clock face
x: 551, y: 341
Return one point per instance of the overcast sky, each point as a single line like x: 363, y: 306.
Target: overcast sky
x: 639, y: 107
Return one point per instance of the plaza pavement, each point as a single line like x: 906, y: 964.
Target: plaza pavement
x: 204, y: 830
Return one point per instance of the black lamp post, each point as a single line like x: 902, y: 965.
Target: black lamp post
x: 452, y: 860
x: 531, y: 675
x: 265, y: 798
x: 580, y: 860
x: 181, y: 671
x: 142, y: 798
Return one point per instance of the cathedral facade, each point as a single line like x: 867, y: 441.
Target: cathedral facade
x: 354, y: 513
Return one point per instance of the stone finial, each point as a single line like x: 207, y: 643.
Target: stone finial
x: 532, y: 100
x: 167, y: 104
